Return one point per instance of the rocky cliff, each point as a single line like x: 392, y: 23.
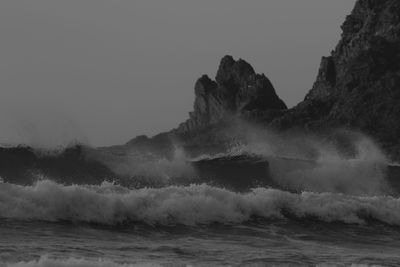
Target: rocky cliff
x: 358, y: 85
x: 236, y: 91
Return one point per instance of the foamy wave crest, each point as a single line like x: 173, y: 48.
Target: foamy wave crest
x: 46, y: 261
x: 190, y: 205
x: 342, y: 162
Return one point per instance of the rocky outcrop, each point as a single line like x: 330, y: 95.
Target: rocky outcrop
x: 237, y: 90
x: 358, y: 85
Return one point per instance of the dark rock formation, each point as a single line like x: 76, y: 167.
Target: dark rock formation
x: 237, y: 90
x: 358, y: 85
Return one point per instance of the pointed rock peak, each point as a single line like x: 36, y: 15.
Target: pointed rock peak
x: 231, y: 71
x: 204, y: 79
x: 226, y: 61
x: 204, y: 85
x: 237, y: 91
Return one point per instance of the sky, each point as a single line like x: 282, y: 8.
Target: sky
x: 104, y: 71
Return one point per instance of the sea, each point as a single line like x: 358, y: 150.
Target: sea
x: 345, y: 214
x: 49, y: 224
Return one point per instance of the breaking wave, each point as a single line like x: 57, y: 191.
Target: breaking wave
x: 346, y: 162
x: 187, y: 205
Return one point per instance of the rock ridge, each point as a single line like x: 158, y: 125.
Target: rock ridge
x: 358, y: 85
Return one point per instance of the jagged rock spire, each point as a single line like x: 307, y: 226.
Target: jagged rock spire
x: 236, y: 91
x: 358, y: 85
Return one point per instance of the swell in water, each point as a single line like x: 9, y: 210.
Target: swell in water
x: 335, y: 188
x: 327, y: 206
x: 109, y: 204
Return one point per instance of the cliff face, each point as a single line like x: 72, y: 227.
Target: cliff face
x: 358, y: 85
x: 237, y: 90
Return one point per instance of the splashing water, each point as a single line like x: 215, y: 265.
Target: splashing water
x: 191, y: 205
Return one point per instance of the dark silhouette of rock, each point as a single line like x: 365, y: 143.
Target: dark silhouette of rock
x: 236, y: 91
x: 358, y: 85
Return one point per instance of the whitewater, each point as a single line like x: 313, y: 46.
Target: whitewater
x: 191, y: 205
x: 49, y: 224
x: 326, y: 208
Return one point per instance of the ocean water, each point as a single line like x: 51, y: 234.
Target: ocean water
x: 49, y: 224
x: 339, y: 210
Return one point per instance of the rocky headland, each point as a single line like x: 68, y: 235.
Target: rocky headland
x: 358, y: 85
x: 357, y: 88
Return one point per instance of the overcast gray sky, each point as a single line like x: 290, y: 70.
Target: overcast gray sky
x: 106, y: 71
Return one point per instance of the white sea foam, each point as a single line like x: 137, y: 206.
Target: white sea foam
x: 190, y: 205
x: 148, y: 165
x: 342, y: 162
x: 46, y: 261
